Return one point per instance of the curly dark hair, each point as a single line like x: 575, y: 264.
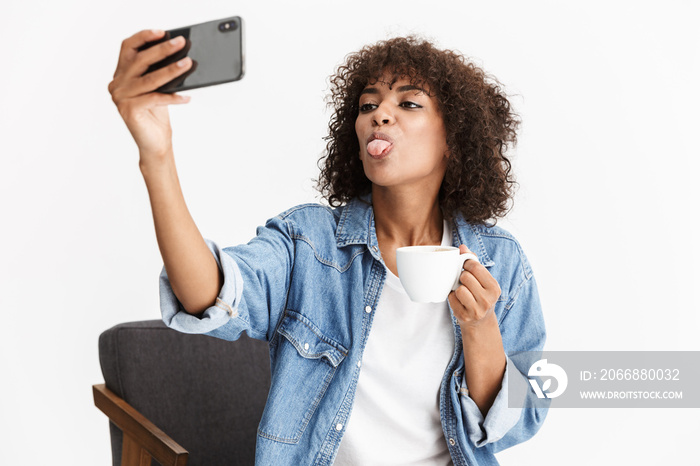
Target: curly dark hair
x: 479, y: 122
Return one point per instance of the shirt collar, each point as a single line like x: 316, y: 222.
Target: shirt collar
x: 356, y: 226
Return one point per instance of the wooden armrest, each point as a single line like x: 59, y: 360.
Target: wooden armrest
x: 142, y: 439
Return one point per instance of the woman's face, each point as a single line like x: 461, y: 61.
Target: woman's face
x: 410, y: 147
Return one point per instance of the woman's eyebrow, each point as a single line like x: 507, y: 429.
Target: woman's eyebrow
x: 411, y: 87
x: 406, y: 88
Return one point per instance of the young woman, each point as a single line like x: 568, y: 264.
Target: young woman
x: 360, y: 374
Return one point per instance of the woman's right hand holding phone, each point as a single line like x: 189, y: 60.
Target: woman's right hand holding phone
x: 192, y: 270
x: 145, y: 112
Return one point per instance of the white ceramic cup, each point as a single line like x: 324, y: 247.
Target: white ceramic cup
x: 430, y: 273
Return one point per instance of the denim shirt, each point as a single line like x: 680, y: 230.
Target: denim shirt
x: 309, y: 284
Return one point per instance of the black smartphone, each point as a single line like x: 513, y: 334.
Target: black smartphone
x: 216, y: 50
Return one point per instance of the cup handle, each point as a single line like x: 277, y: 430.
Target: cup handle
x: 463, y: 257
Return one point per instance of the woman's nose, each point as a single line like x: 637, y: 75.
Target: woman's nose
x: 382, y: 116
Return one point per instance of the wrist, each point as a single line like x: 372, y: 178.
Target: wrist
x: 487, y: 324
x: 156, y: 165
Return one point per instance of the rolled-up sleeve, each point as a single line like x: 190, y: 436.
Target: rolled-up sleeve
x: 213, y: 317
x: 252, y: 297
x: 499, y: 419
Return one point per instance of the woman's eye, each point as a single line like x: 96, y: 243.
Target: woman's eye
x: 368, y: 107
x: 408, y: 104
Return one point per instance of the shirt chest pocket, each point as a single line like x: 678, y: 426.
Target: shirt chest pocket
x: 303, y: 368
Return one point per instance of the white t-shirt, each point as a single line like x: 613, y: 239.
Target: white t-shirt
x: 395, y: 418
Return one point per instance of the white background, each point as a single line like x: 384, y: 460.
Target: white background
x: 607, y: 208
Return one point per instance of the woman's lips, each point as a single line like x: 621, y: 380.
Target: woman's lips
x: 379, y: 145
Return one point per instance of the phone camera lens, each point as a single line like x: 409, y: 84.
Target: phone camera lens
x: 228, y: 26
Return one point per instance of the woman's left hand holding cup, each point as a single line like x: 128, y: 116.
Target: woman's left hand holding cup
x: 474, y: 301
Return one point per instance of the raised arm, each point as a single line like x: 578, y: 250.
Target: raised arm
x: 191, y: 267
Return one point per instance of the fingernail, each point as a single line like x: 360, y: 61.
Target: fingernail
x: 183, y: 62
x: 157, y: 31
x: 177, y: 40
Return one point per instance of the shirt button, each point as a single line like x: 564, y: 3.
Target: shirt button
x: 339, y: 427
x: 359, y: 363
x: 368, y: 309
x: 306, y: 346
x: 452, y: 442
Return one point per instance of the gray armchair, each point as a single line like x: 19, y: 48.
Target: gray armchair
x: 181, y: 399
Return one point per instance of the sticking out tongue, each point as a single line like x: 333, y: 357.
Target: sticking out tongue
x: 377, y: 146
